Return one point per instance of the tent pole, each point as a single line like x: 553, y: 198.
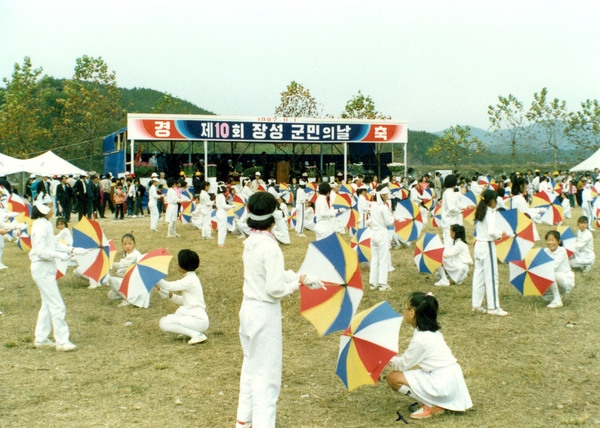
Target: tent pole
x: 132, y: 157
x: 205, y: 160
x: 345, y: 161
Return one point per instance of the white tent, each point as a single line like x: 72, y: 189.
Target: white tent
x: 10, y: 165
x: 50, y: 164
x: 589, y: 164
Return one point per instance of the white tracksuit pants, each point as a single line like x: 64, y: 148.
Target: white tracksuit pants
x: 221, y: 227
x: 154, y: 216
x: 299, y: 218
x: 52, y: 313
x: 485, y: 275
x: 380, y: 258
x: 260, y: 380
x: 183, y: 324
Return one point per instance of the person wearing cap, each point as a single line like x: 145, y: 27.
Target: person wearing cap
x: 43, y: 255
x: 258, y: 184
x: 266, y: 282
x: 153, y: 197
x: 301, y: 197
x: 197, y: 183
x: 379, y: 221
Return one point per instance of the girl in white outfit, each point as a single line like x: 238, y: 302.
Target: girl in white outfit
x: 379, y: 221
x: 222, y: 207
x: 301, y: 198
x: 205, y: 207
x: 438, y: 382
x: 564, y: 278
x: 325, y: 213
x: 584, y: 256
x: 171, y: 216
x: 153, y: 205
x: 130, y: 256
x: 451, y: 209
x: 485, y: 272
x: 44, y: 251
x: 190, y: 318
x: 265, y: 283
x: 456, y: 258
x: 363, y: 207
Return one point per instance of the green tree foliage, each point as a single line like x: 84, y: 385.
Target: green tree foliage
x: 456, y: 146
x: 584, y: 127
x: 550, y: 120
x: 363, y: 107
x: 23, y: 112
x: 508, y: 118
x: 296, y: 101
x: 90, y: 107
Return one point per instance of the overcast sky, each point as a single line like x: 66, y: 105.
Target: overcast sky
x: 433, y: 64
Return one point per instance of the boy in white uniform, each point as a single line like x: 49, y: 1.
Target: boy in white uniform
x: 584, y: 256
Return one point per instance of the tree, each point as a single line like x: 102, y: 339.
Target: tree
x: 508, y: 117
x: 296, y: 101
x: 550, y: 120
x: 22, y: 114
x: 584, y: 127
x: 363, y: 107
x: 169, y: 104
x: 90, y: 106
x: 456, y: 146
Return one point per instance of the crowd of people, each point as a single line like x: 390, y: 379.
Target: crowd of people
x: 266, y: 221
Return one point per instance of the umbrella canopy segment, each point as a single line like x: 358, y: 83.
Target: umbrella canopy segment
x: 368, y: 345
x: 429, y: 251
x: 534, y: 274
x: 142, y: 276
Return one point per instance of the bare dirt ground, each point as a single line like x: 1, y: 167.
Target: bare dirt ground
x: 534, y: 368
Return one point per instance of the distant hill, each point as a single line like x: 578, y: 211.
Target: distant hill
x: 144, y: 100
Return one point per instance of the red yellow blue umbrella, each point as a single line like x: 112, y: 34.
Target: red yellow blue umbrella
x: 286, y: 193
x: 533, y: 275
x: 293, y: 218
x: 553, y: 215
x: 411, y: 223
x: 427, y: 198
x: 19, y: 204
x: 142, y: 276
x: 542, y: 199
x: 95, y: 263
x: 568, y: 239
x: 469, y: 203
x: 343, y: 201
x: 335, y: 263
x: 429, y: 251
x: 23, y: 240
x: 239, y: 205
x: 361, y: 242
x: 367, y: 345
x: 436, y: 217
x: 514, y: 222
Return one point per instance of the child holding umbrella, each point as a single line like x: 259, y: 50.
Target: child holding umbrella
x: 266, y: 282
x: 438, y: 382
x: 190, y: 319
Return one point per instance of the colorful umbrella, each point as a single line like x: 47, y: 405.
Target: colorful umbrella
x: 239, y: 205
x: 429, y: 251
x: 409, y: 228
x: 293, y: 218
x: 469, y: 203
x: 230, y: 216
x: 142, y: 276
x: 568, y: 239
x: 553, y: 215
x: 23, y: 240
x: 286, y: 193
x: 343, y: 201
x: 542, y: 199
x: 514, y: 222
x: 361, y: 242
x: 436, y: 217
x: 427, y: 198
x: 187, y: 208
x: 19, y: 205
x: 534, y: 274
x: 335, y: 263
x: 311, y: 190
x: 95, y: 263
x: 368, y: 345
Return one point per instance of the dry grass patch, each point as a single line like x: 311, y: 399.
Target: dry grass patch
x: 537, y: 367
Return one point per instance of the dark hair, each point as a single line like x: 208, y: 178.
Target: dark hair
x: 128, y: 235
x: 380, y: 187
x: 516, y: 187
x: 582, y: 219
x: 188, y: 260
x: 324, y: 188
x: 450, y: 181
x: 501, y: 192
x: 61, y: 220
x: 556, y: 235
x: 360, y: 190
x: 426, y: 309
x: 35, y: 213
x: 487, y: 197
x: 261, y: 203
x: 459, y: 232
x: 170, y: 182
x: 221, y: 188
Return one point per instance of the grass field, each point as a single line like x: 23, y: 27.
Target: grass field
x: 534, y: 368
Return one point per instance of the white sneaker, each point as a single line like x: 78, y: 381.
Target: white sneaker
x: 479, y: 309
x: 586, y: 268
x: 442, y: 283
x: 66, y: 347
x: 45, y: 344
x: 373, y: 287
x: 134, y: 216
x: 384, y: 287
x: 301, y: 235
x: 199, y: 338
x: 123, y: 304
x: 555, y: 304
x: 241, y: 237
x: 114, y: 295
x: 497, y: 312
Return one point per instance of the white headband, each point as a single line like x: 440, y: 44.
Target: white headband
x: 257, y: 217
